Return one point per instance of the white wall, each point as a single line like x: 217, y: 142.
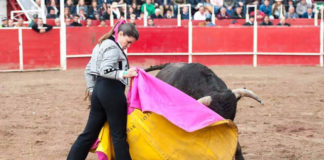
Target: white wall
x: 3, y: 8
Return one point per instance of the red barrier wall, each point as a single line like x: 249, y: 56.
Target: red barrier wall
x: 41, y: 51
x: 9, y: 52
x: 223, y: 59
x: 225, y: 39
x: 155, y: 60
x: 266, y: 60
x: 289, y: 39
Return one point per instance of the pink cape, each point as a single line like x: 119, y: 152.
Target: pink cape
x: 148, y: 93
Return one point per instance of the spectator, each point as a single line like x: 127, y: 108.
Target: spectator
x: 52, y: 6
x: 260, y: 15
x: 20, y: 22
x: 132, y: 19
x: 291, y: 14
x: 278, y: 9
x: 291, y: 3
x: 168, y: 14
x: 68, y: 21
x: 34, y: 21
x: 57, y: 22
x: 309, y: 14
x: 89, y: 22
x: 266, y: 8
x: 238, y: 14
x: 97, y: 17
x: 266, y: 21
x: 4, y: 22
x: 157, y: 14
x: 229, y: 5
x: 150, y: 22
x: 302, y: 8
x: 82, y: 14
x: 93, y: 9
x: 250, y: 22
x: 201, y: 14
x: 102, y: 23
x: 209, y: 22
x: 81, y: 5
x: 106, y: 15
x: 40, y: 27
x: 67, y: 13
x: 75, y: 22
x: 184, y: 13
x: 217, y: 5
x: 283, y: 22
x: 11, y: 23
x: 51, y: 14
x: 116, y: 10
x: 149, y: 7
x: 222, y: 14
x: 72, y: 8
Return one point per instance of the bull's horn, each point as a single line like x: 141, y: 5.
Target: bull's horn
x: 205, y: 100
x: 242, y: 92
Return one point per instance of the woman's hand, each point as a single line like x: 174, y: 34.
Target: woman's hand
x: 132, y: 72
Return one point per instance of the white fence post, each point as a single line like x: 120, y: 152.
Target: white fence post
x: 21, y: 53
x: 62, y: 37
x: 190, y: 42
x: 179, y: 15
x: 321, y: 38
x: 145, y: 16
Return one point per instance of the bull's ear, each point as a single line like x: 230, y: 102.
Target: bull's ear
x: 205, y: 100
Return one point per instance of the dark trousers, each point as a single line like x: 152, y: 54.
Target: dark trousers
x: 108, y: 103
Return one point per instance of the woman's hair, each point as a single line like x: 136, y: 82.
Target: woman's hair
x: 128, y: 29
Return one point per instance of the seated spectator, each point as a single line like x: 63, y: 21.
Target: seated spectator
x: 266, y: 8
x: 51, y: 14
x: 283, y: 22
x: 52, y: 6
x: 71, y: 7
x: 40, y: 27
x: 168, y: 14
x: 83, y: 15
x: 238, y: 14
x: 209, y: 22
x: 309, y: 14
x: 291, y: 3
x: 93, y: 9
x: 4, y: 21
x: 184, y: 13
x: 278, y: 9
x: 150, y: 22
x: 75, y: 22
x: 89, y: 22
x: 11, y: 23
x: 229, y: 5
x: 291, y: 14
x: 57, y: 22
x: 217, y: 5
x: 260, y: 15
x: 302, y: 8
x: 34, y: 21
x: 107, y: 14
x: 67, y: 13
x: 132, y: 19
x: 150, y: 8
x: 201, y: 14
x: 102, y: 23
x: 68, y: 21
x: 81, y: 5
x: 266, y: 21
x: 20, y: 23
x: 250, y: 22
x: 116, y: 10
x: 222, y: 14
x: 157, y: 14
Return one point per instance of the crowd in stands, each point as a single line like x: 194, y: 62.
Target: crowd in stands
x: 100, y: 10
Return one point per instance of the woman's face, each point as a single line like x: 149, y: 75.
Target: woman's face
x: 124, y: 40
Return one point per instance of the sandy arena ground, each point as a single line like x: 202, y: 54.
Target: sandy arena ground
x: 43, y: 112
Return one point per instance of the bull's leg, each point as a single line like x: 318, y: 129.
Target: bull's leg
x: 238, y: 153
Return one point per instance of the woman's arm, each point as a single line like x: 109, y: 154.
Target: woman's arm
x: 109, y: 62
x: 89, y: 78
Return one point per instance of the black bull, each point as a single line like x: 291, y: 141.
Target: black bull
x: 203, y: 84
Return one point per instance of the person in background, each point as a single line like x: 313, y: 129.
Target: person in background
x: 102, y: 23
x: 266, y: 7
x: 34, y: 21
x: 278, y: 9
x: 266, y: 21
x: 302, y: 8
x: 51, y: 14
x: 82, y: 14
x: 4, y: 21
x: 57, y: 22
x: 209, y: 22
x: 283, y: 22
x: 132, y: 19
x: 81, y: 5
x: 72, y: 8
x: 11, y: 23
x: 291, y: 14
x: 222, y: 14
x: 250, y: 22
x: 157, y: 14
x: 89, y: 22
x: 168, y: 14
x: 75, y: 22
x: 93, y: 9
x: 260, y: 15
x: 238, y: 14
x: 229, y: 6
x: 149, y: 7
x: 201, y: 14
x: 20, y: 23
x: 68, y: 22
x: 309, y: 14
x: 184, y: 13
x: 40, y: 27
x: 150, y: 22
x: 52, y: 6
